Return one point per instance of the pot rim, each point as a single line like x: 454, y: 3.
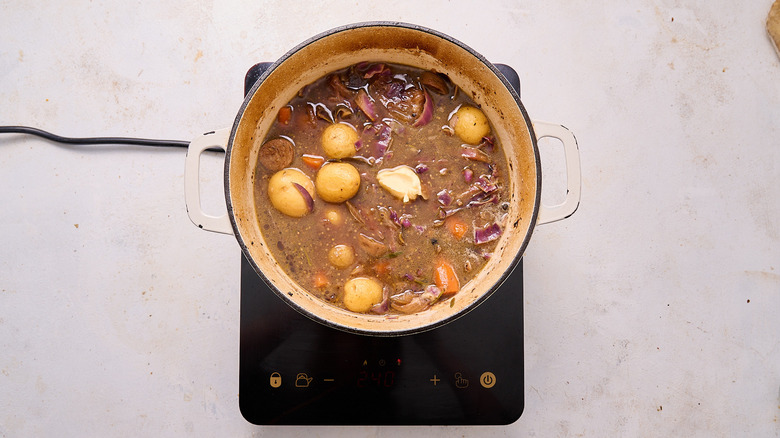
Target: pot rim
x: 423, y: 327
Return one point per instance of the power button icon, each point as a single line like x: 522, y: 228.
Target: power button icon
x: 487, y: 379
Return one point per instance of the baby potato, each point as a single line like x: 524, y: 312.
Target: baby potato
x: 341, y: 256
x: 338, y: 140
x: 337, y: 182
x: 286, y: 197
x: 470, y: 124
x: 361, y: 293
x: 334, y: 217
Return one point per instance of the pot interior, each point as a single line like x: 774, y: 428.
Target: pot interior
x: 392, y: 43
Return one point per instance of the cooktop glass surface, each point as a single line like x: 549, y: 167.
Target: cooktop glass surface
x: 297, y: 371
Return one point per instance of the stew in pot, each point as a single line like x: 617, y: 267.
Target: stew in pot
x: 388, y: 190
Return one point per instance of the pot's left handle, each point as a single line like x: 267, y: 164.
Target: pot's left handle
x: 214, y: 139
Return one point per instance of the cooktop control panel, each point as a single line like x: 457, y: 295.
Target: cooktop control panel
x: 297, y: 371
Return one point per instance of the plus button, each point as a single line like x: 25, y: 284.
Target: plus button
x: 435, y: 380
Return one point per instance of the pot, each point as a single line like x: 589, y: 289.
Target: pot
x: 398, y: 43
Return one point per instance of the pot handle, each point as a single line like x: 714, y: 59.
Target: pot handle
x: 571, y: 152
x: 213, y: 139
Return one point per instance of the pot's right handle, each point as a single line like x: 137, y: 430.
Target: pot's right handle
x: 214, y: 139
x: 571, y: 152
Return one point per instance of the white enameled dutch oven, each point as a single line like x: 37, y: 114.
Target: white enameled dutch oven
x: 393, y: 43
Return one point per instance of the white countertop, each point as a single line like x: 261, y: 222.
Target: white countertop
x: 653, y: 311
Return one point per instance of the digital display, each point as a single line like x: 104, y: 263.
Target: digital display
x: 377, y: 374
x: 376, y: 379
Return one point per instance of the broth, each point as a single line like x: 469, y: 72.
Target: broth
x: 381, y: 188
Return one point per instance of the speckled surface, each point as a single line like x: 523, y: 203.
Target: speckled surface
x: 653, y: 311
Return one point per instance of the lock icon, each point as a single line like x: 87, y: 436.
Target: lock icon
x: 276, y: 380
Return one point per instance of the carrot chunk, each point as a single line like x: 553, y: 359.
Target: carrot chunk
x: 382, y: 267
x: 284, y: 115
x: 456, y: 226
x: 445, y: 278
x: 320, y: 280
x: 313, y: 161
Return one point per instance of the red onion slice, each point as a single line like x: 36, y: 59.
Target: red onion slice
x: 487, y: 144
x: 485, y: 184
x: 435, y: 82
x: 427, y: 113
x: 487, y: 234
x: 468, y: 175
x: 482, y: 199
x: 412, y: 302
x: 383, y: 143
x: 382, y: 307
x: 306, y: 196
x: 474, y: 154
x: 444, y: 197
x: 420, y: 168
x: 376, y: 69
x: 366, y: 104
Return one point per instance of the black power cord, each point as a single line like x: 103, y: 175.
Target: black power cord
x: 94, y: 140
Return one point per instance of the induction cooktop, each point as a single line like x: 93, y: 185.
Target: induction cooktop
x: 295, y: 371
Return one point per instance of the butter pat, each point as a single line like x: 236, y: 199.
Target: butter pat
x: 402, y: 182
